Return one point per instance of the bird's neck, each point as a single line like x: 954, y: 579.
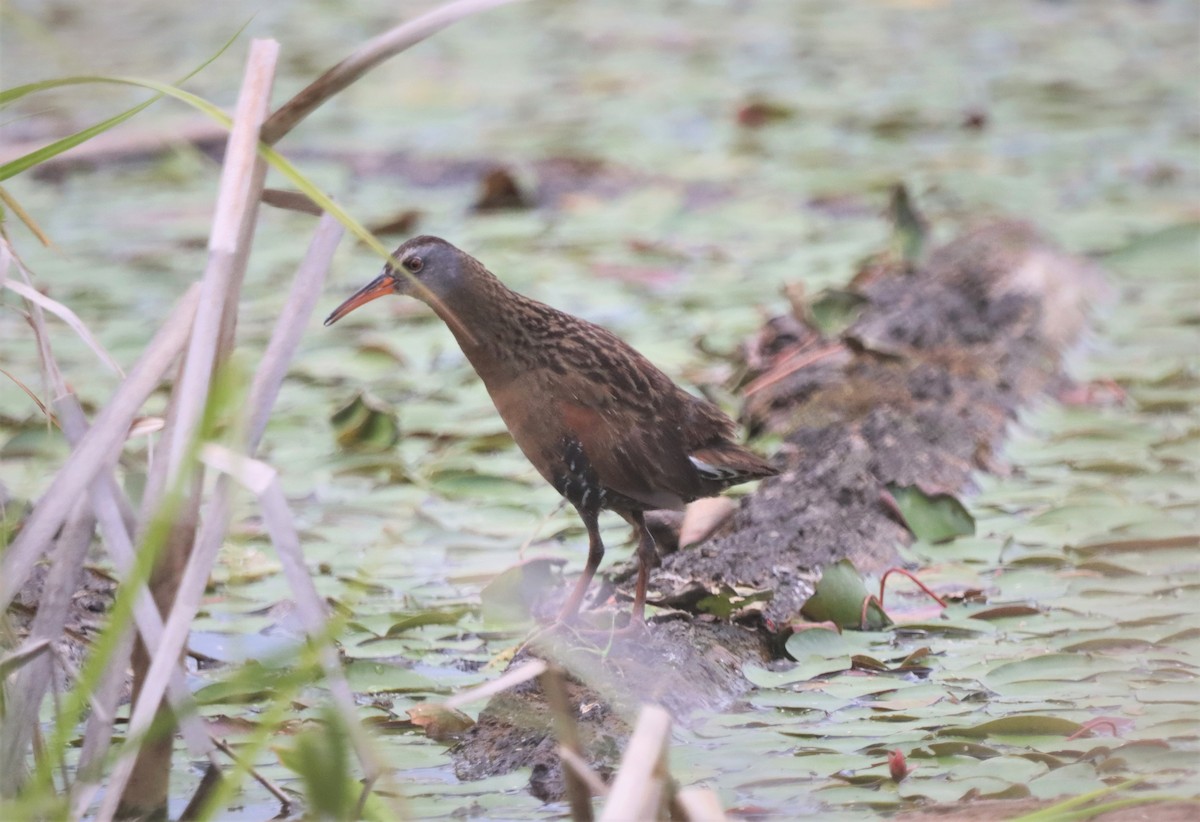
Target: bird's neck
x: 495, y: 326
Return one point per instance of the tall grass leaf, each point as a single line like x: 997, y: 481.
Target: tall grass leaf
x: 33, y: 158
x: 24, y: 216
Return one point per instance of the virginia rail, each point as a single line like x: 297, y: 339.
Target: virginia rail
x: 598, y: 421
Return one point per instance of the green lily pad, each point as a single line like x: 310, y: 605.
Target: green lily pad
x: 838, y: 597
x: 932, y: 517
x: 1018, y: 725
x: 366, y: 424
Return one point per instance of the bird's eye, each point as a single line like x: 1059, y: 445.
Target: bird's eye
x: 414, y: 264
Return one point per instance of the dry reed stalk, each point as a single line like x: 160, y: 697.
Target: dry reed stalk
x: 60, y: 585
x: 24, y: 696
x: 19, y: 658
x: 290, y: 326
x: 92, y: 452
x: 509, y: 679
x: 261, y: 479
x: 367, y: 57
x: 65, y: 574
x: 579, y: 766
x: 97, y: 735
x: 236, y: 205
x: 113, y: 512
x: 115, y: 517
x: 68, y: 316
x: 37, y: 320
x: 578, y: 794
x: 637, y: 790
x: 238, y: 196
x: 700, y: 805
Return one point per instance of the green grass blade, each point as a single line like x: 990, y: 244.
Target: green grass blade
x: 276, y: 160
x: 33, y: 158
x: 1061, y: 810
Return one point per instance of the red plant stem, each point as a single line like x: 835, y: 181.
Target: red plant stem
x: 921, y: 585
x: 862, y: 617
x: 1091, y: 725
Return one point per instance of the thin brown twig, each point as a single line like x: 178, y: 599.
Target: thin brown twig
x: 271, y: 787
x: 46, y: 412
x: 578, y: 794
x: 207, y: 787
x: 364, y: 794
x: 36, y: 318
x: 790, y: 365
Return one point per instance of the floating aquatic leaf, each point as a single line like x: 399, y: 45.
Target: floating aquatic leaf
x: 970, y: 749
x: 366, y: 424
x: 818, y: 651
x: 839, y: 597
x: 1050, y: 668
x: 945, y: 627
x: 380, y: 677
x: 730, y: 601
x: 932, y: 517
x: 419, y: 620
x: 1018, y: 725
x: 834, y: 310
x: 509, y: 598
x: 440, y: 723
x: 1006, y: 612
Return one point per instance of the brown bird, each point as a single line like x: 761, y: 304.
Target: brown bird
x: 598, y: 421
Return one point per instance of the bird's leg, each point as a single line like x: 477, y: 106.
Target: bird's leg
x: 646, y: 556
x: 595, y: 554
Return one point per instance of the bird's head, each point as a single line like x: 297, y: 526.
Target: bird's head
x: 428, y: 268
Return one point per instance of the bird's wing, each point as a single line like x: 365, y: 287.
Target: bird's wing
x: 635, y: 446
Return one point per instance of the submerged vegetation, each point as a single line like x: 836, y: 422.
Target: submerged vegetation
x: 671, y: 174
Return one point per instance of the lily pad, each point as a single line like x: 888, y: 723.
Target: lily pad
x: 839, y: 597
x: 366, y: 424
x: 935, y: 517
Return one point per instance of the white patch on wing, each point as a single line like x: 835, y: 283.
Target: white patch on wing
x: 711, y: 471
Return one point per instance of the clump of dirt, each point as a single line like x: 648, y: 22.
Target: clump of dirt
x: 826, y: 506
x: 681, y: 664
x: 916, y: 389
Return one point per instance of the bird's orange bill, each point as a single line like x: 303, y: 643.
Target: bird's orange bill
x: 381, y: 286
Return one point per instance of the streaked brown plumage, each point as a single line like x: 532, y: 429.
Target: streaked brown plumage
x: 598, y: 420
